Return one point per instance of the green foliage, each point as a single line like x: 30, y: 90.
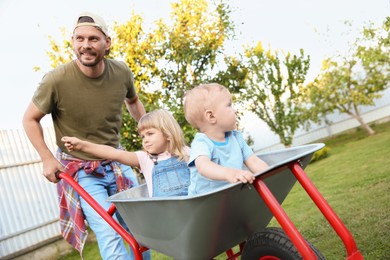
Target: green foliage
x: 60, y: 53
x: 320, y: 154
x: 272, y: 89
x: 235, y: 76
x: 190, y: 48
x: 171, y: 59
x: 353, y: 81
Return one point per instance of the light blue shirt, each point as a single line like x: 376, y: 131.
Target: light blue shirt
x: 232, y: 153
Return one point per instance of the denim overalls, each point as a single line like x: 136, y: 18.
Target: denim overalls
x: 170, y: 177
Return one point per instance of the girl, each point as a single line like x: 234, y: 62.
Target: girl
x: 163, y: 161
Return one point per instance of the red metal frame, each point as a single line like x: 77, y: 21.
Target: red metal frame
x: 352, y: 251
x: 287, y: 225
x: 271, y: 202
x: 234, y: 256
x: 106, y: 215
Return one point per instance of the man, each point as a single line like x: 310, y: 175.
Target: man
x: 85, y: 98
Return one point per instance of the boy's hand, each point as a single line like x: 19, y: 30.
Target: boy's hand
x: 71, y: 143
x: 241, y: 175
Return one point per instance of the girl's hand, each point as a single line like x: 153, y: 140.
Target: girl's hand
x: 71, y: 143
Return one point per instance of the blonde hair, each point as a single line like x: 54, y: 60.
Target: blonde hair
x: 198, y: 100
x: 167, y: 124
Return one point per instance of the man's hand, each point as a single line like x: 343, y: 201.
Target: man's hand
x: 50, y: 168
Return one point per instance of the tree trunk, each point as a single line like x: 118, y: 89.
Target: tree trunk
x: 365, y: 126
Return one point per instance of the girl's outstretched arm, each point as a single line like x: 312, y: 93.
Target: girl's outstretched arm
x: 102, y: 151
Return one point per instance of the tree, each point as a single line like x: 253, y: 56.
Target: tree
x: 189, y: 49
x: 138, y: 50
x: 272, y: 89
x: 60, y: 53
x: 355, y: 80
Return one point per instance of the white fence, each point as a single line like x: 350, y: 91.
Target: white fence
x: 28, y: 202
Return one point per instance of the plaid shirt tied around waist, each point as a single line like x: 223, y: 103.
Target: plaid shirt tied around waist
x: 72, y: 224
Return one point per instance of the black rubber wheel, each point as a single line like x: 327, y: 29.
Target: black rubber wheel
x: 273, y: 244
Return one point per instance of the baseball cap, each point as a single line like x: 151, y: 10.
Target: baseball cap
x: 90, y: 19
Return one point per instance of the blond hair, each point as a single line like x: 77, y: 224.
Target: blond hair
x: 167, y: 124
x: 198, y: 100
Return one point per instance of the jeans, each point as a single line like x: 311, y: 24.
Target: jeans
x: 111, y: 244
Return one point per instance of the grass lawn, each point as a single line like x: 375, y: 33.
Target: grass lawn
x: 355, y: 180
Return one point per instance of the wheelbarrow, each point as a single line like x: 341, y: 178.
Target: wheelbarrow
x: 204, y: 226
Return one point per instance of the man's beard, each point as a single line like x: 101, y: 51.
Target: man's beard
x: 89, y: 63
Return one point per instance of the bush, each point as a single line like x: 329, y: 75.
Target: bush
x: 320, y: 154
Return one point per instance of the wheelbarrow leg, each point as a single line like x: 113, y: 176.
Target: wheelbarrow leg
x: 106, y: 215
x: 350, y: 245
x: 284, y: 221
x: 234, y: 256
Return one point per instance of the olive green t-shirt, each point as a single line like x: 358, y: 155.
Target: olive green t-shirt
x: 87, y: 108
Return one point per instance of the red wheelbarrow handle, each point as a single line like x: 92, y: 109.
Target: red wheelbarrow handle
x: 106, y: 215
x: 296, y: 238
x: 352, y: 251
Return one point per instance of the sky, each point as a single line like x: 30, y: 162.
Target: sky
x: 316, y: 26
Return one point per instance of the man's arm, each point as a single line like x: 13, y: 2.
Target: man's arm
x: 135, y: 107
x: 33, y: 128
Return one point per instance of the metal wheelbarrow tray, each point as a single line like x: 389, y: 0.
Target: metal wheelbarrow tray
x: 204, y: 226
